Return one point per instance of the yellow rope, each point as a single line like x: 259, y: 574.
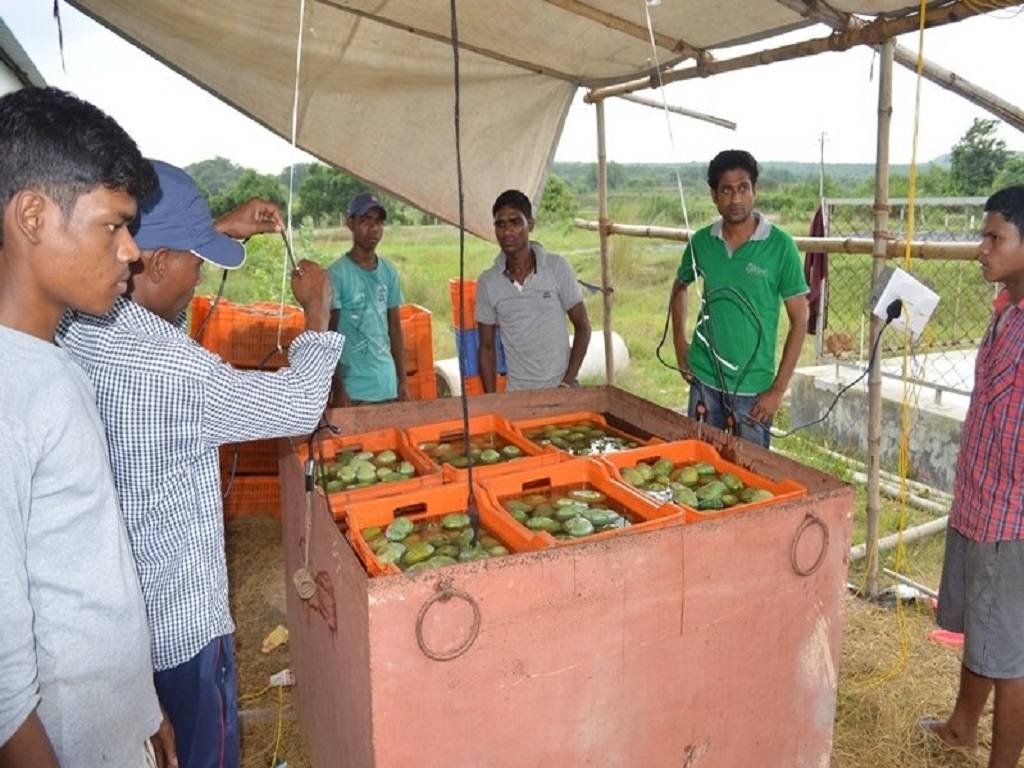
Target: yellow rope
x: 280, y: 725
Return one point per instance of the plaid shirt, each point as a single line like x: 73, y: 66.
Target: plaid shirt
x: 988, y: 495
x: 167, y: 405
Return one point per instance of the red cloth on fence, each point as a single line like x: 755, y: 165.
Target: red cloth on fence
x: 816, y: 275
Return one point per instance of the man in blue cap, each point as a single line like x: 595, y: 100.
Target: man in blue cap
x: 367, y: 297
x: 167, y: 405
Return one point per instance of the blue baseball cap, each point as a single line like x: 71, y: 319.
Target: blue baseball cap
x: 178, y: 217
x: 364, y: 203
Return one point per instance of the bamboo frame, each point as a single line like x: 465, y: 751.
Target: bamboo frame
x: 874, y: 463
x: 720, y: 121
x: 873, y: 33
x: 894, y: 249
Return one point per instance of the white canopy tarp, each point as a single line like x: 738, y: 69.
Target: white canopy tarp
x: 376, y: 93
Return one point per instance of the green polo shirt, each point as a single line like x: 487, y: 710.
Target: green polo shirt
x: 362, y: 298
x: 766, y: 270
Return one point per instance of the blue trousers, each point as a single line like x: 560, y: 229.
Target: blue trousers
x: 201, y: 700
x: 715, y: 402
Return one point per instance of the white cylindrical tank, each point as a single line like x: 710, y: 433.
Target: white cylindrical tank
x: 449, y: 383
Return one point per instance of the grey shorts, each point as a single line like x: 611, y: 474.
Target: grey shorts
x: 982, y: 596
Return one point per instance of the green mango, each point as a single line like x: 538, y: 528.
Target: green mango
x: 751, y: 494
x: 710, y: 504
x: 646, y: 470
x: 632, y: 476
x: 455, y: 521
x: 417, y: 553
x: 490, y: 456
x: 543, y: 510
x: 729, y: 499
x: 364, y: 455
x: 569, y: 511
x: 391, y: 552
x: 684, y: 495
x: 534, y: 499
x: 366, y: 474
x: 459, y: 462
x: 497, y: 551
x: 383, y: 472
x: 372, y: 533
x: 447, y: 550
x: 588, y: 495
x: 511, y: 451
x: 333, y: 486
x: 406, y: 469
x: 686, y: 475
x: 386, y: 457
x: 412, y: 538
x: 517, y: 504
x: 519, y: 515
x: 487, y: 541
x: 712, y: 490
x: 662, y: 467
x: 703, y: 468
x: 399, y: 529
x: 732, y: 482
x: 347, y: 475
x: 578, y: 526
x: 427, y: 447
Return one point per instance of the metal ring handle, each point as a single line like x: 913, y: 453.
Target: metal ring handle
x: 446, y: 592
x: 808, y: 521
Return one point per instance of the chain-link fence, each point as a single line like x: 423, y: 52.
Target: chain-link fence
x: 943, y: 358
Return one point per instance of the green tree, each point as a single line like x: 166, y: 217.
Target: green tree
x: 249, y: 184
x: 216, y: 175
x: 1012, y: 173
x: 326, y: 191
x: 558, y: 202
x: 977, y: 158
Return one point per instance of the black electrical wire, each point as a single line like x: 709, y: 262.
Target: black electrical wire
x: 474, y: 514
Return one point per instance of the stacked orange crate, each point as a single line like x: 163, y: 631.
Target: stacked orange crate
x: 418, y: 339
x: 246, y: 336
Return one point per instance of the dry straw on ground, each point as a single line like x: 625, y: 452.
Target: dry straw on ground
x: 890, y: 676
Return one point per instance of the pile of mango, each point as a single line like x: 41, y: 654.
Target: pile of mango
x: 358, y: 470
x: 432, y: 543
x: 581, y: 439
x: 567, y: 514
x: 485, y: 448
x: 696, y: 485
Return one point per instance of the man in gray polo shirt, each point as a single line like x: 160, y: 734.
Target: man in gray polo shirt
x: 528, y: 293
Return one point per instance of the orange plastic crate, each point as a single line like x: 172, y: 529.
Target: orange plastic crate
x: 475, y: 385
x: 245, y: 335
x: 645, y: 514
x: 417, y: 338
x: 690, y: 451
x: 524, y: 426
x: 427, y: 472
x: 427, y: 504
x: 257, y: 457
x: 252, y: 495
x: 422, y: 385
x: 532, y: 455
x: 468, y: 320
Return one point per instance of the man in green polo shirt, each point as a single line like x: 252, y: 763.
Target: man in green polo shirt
x: 367, y: 297
x: 750, y: 267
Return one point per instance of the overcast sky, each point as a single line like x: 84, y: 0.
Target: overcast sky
x: 781, y: 109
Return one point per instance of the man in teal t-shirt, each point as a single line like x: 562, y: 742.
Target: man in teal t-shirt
x: 750, y: 267
x: 367, y: 296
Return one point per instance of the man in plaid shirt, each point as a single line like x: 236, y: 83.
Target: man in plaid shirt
x: 982, y: 590
x: 167, y: 405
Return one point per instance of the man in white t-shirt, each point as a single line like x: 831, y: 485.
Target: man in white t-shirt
x: 76, y: 677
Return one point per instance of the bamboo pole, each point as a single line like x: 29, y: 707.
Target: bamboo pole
x: 627, y: 27
x: 1004, y: 110
x: 873, y: 33
x: 859, y: 551
x: 606, y: 267
x: 681, y: 111
x: 874, y: 463
x: 893, y: 248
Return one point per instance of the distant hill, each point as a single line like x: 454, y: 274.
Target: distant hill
x: 583, y: 175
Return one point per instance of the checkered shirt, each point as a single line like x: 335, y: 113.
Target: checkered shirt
x: 167, y: 405
x: 988, y: 494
